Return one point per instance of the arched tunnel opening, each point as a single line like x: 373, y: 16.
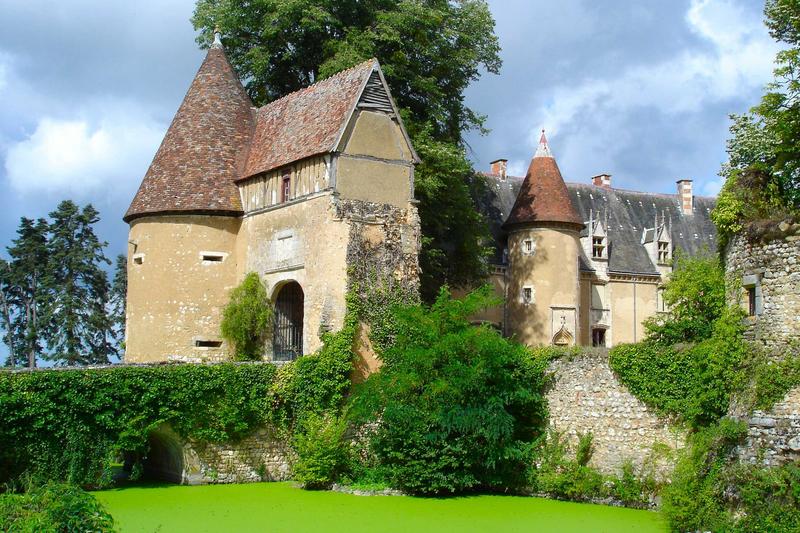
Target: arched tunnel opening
x: 164, y: 458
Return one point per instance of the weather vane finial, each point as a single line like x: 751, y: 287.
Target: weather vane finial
x: 217, y: 38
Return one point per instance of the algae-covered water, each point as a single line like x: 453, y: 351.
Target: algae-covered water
x: 279, y: 507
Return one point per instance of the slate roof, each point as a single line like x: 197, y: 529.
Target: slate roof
x: 543, y: 195
x: 217, y: 137
x: 629, y: 214
x: 203, y: 151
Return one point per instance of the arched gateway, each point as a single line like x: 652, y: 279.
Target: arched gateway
x: 287, y: 336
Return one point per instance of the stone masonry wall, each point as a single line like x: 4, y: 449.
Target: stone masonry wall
x: 587, y: 397
x: 773, y: 436
x: 776, y: 264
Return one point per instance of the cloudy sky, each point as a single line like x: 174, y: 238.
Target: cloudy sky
x: 641, y: 90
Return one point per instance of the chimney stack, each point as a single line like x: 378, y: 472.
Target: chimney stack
x: 499, y: 167
x: 686, y: 197
x: 602, y: 180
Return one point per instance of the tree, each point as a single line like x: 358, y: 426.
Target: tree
x: 6, y: 323
x: 79, y: 326
x: 695, y: 298
x: 27, y: 289
x: 457, y: 406
x: 247, y: 318
x: 119, y: 298
x: 762, y: 174
x: 430, y: 51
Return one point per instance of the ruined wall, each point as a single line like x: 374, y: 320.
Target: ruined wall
x: 587, y: 397
x: 773, y: 436
x: 175, y: 296
x: 774, y: 268
x: 551, y: 271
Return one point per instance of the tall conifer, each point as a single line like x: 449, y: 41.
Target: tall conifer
x: 79, y: 323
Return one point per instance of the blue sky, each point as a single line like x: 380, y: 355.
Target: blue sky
x: 641, y: 90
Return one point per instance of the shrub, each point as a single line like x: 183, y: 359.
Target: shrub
x: 52, y: 508
x: 322, y: 453
x: 710, y: 490
x: 458, y: 405
x: 247, y: 319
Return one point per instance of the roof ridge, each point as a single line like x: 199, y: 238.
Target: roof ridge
x: 339, y: 74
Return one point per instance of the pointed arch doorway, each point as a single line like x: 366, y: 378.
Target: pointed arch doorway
x: 287, y: 328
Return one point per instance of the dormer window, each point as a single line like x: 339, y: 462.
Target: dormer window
x: 598, y: 247
x: 663, y: 252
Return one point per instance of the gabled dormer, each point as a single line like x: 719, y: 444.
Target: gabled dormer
x: 658, y: 242
x: 595, y: 239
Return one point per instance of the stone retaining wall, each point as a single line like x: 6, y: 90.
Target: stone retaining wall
x: 586, y: 396
x: 773, y: 436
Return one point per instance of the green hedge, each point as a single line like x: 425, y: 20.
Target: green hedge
x: 69, y: 425
x: 53, y: 508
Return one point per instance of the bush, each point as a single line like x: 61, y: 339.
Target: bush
x: 247, y: 319
x: 458, y: 405
x: 322, y: 453
x: 52, y: 508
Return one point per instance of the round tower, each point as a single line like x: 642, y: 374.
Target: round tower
x: 184, y: 222
x: 543, y: 252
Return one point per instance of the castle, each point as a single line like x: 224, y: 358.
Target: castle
x: 302, y: 189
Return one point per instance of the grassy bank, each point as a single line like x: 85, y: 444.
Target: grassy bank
x: 280, y: 507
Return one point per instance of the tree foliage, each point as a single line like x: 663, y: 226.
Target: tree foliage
x: 247, y: 319
x: 762, y: 174
x: 430, y: 51
x: 694, y: 297
x: 458, y: 405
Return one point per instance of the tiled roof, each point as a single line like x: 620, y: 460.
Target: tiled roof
x: 217, y: 137
x: 203, y: 151
x: 629, y: 214
x: 307, y: 122
x: 543, y: 195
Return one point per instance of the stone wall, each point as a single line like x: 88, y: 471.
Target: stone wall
x: 773, y: 436
x: 774, y: 269
x: 262, y: 456
x: 587, y: 397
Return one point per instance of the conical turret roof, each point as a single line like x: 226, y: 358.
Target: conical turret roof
x: 543, y: 196
x: 204, y: 150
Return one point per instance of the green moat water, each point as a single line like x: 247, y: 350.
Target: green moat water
x: 280, y: 507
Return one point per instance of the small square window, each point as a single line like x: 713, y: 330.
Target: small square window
x: 527, y: 295
x: 663, y: 252
x: 598, y: 247
x: 138, y: 259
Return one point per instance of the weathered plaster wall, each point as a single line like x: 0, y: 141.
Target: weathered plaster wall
x: 773, y: 436
x: 174, y: 296
x: 776, y: 267
x: 587, y: 397
x: 374, y: 181
x: 303, y: 241
x: 552, y: 272
x: 376, y: 134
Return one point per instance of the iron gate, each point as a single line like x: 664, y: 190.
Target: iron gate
x: 287, y: 343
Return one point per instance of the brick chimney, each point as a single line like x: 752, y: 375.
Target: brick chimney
x: 499, y: 167
x: 686, y: 196
x: 602, y: 180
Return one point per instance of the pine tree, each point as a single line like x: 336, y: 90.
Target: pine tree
x: 6, y: 323
x: 79, y: 324
x: 119, y: 296
x: 27, y: 290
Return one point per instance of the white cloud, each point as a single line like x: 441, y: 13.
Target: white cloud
x: 734, y: 59
x: 82, y: 158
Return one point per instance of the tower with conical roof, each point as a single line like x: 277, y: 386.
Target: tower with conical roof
x: 305, y: 191
x: 543, y: 250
